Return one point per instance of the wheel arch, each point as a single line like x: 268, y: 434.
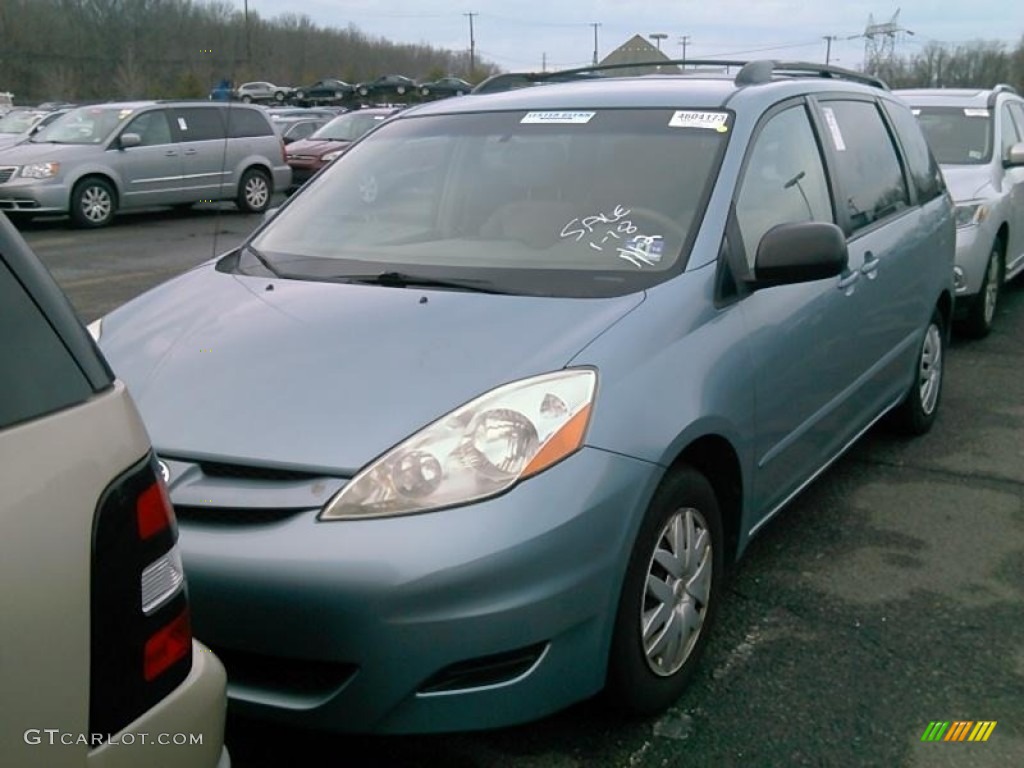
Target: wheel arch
x: 95, y: 174
x: 715, y: 457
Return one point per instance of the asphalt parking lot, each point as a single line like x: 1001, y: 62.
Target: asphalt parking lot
x: 889, y: 595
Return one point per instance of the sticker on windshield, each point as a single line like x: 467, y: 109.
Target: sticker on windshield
x: 642, y: 249
x: 975, y: 112
x: 124, y: 113
x: 558, y: 118
x: 714, y: 121
x: 833, y: 128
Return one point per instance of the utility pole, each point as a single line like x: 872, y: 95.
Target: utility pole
x: 683, y: 40
x: 828, y: 48
x: 472, y: 45
x: 595, y: 25
x: 544, y: 62
x: 248, y: 41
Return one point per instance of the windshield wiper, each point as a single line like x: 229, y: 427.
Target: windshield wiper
x: 406, y: 280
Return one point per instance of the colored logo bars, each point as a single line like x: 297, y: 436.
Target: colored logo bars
x: 961, y: 730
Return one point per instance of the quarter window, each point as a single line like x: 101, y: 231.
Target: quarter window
x: 39, y: 376
x: 784, y: 180
x: 867, y: 165
x: 245, y: 122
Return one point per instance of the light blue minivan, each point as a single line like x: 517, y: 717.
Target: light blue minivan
x: 474, y: 426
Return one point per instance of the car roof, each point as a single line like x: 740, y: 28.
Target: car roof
x: 945, y: 97
x: 692, y: 89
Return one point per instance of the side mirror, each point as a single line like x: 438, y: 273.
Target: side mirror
x: 130, y: 140
x: 1015, y: 156
x: 799, y: 253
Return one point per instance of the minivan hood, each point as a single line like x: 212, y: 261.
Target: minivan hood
x: 966, y: 182
x: 29, y: 152
x: 326, y: 376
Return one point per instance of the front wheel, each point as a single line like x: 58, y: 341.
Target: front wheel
x: 246, y: 99
x: 93, y: 203
x: 254, y: 191
x: 669, y: 595
x: 916, y: 414
x: 982, y: 311
x: 279, y: 96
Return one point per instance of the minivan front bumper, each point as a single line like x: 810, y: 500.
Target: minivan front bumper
x: 472, y: 617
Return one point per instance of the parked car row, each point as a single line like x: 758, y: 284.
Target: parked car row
x: 336, y: 91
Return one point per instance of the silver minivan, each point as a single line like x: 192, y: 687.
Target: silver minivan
x: 99, y: 159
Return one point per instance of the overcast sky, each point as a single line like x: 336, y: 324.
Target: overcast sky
x: 516, y: 34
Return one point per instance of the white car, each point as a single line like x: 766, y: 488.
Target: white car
x: 98, y: 666
x: 978, y: 139
x: 263, y: 91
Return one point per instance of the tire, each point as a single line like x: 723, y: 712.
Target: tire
x: 254, y: 191
x: 424, y: 91
x: 364, y: 91
x: 246, y: 99
x: 279, y: 97
x: 982, y: 312
x: 93, y: 203
x: 401, y: 90
x: 916, y: 414
x: 683, y: 513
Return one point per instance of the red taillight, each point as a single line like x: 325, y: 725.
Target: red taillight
x: 153, y: 511
x: 166, y: 646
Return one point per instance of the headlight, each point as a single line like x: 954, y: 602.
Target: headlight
x: 95, y: 329
x: 40, y: 170
x: 478, y: 450
x: 332, y: 155
x: 969, y: 214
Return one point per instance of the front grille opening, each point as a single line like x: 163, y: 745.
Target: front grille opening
x: 279, y: 674
x: 248, y: 472
x: 220, y: 516
x: 484, y: 670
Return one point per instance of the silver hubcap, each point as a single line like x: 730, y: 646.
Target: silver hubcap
x: 96, y: 204
x: 676, y: 593
x: 930, y: 373
x: 256, y: 192
x: 991, y: 288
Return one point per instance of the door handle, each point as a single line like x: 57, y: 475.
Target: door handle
x: 846, y: 282
x: 191, y: 151
x: 870, y: 266
x: 171, y: 153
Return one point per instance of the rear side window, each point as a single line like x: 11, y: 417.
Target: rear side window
x: 245, y: 123
x: 867, y: 166
x: 924, y: 170
x: 39, y: 374
x: 199, y: 123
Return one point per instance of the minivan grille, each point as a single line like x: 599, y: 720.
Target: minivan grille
x: 249, y: 472
x: 7, y: 172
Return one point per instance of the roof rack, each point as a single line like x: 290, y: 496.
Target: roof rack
x: 1005, y: 88
x: 751, y: 73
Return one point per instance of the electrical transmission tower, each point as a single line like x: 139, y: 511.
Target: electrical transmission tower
x: 880, y: 42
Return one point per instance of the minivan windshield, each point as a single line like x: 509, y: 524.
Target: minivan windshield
x: 594, y: 203
x: 85, y: 125
x: 957, y: 135
x: 348, y: 127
